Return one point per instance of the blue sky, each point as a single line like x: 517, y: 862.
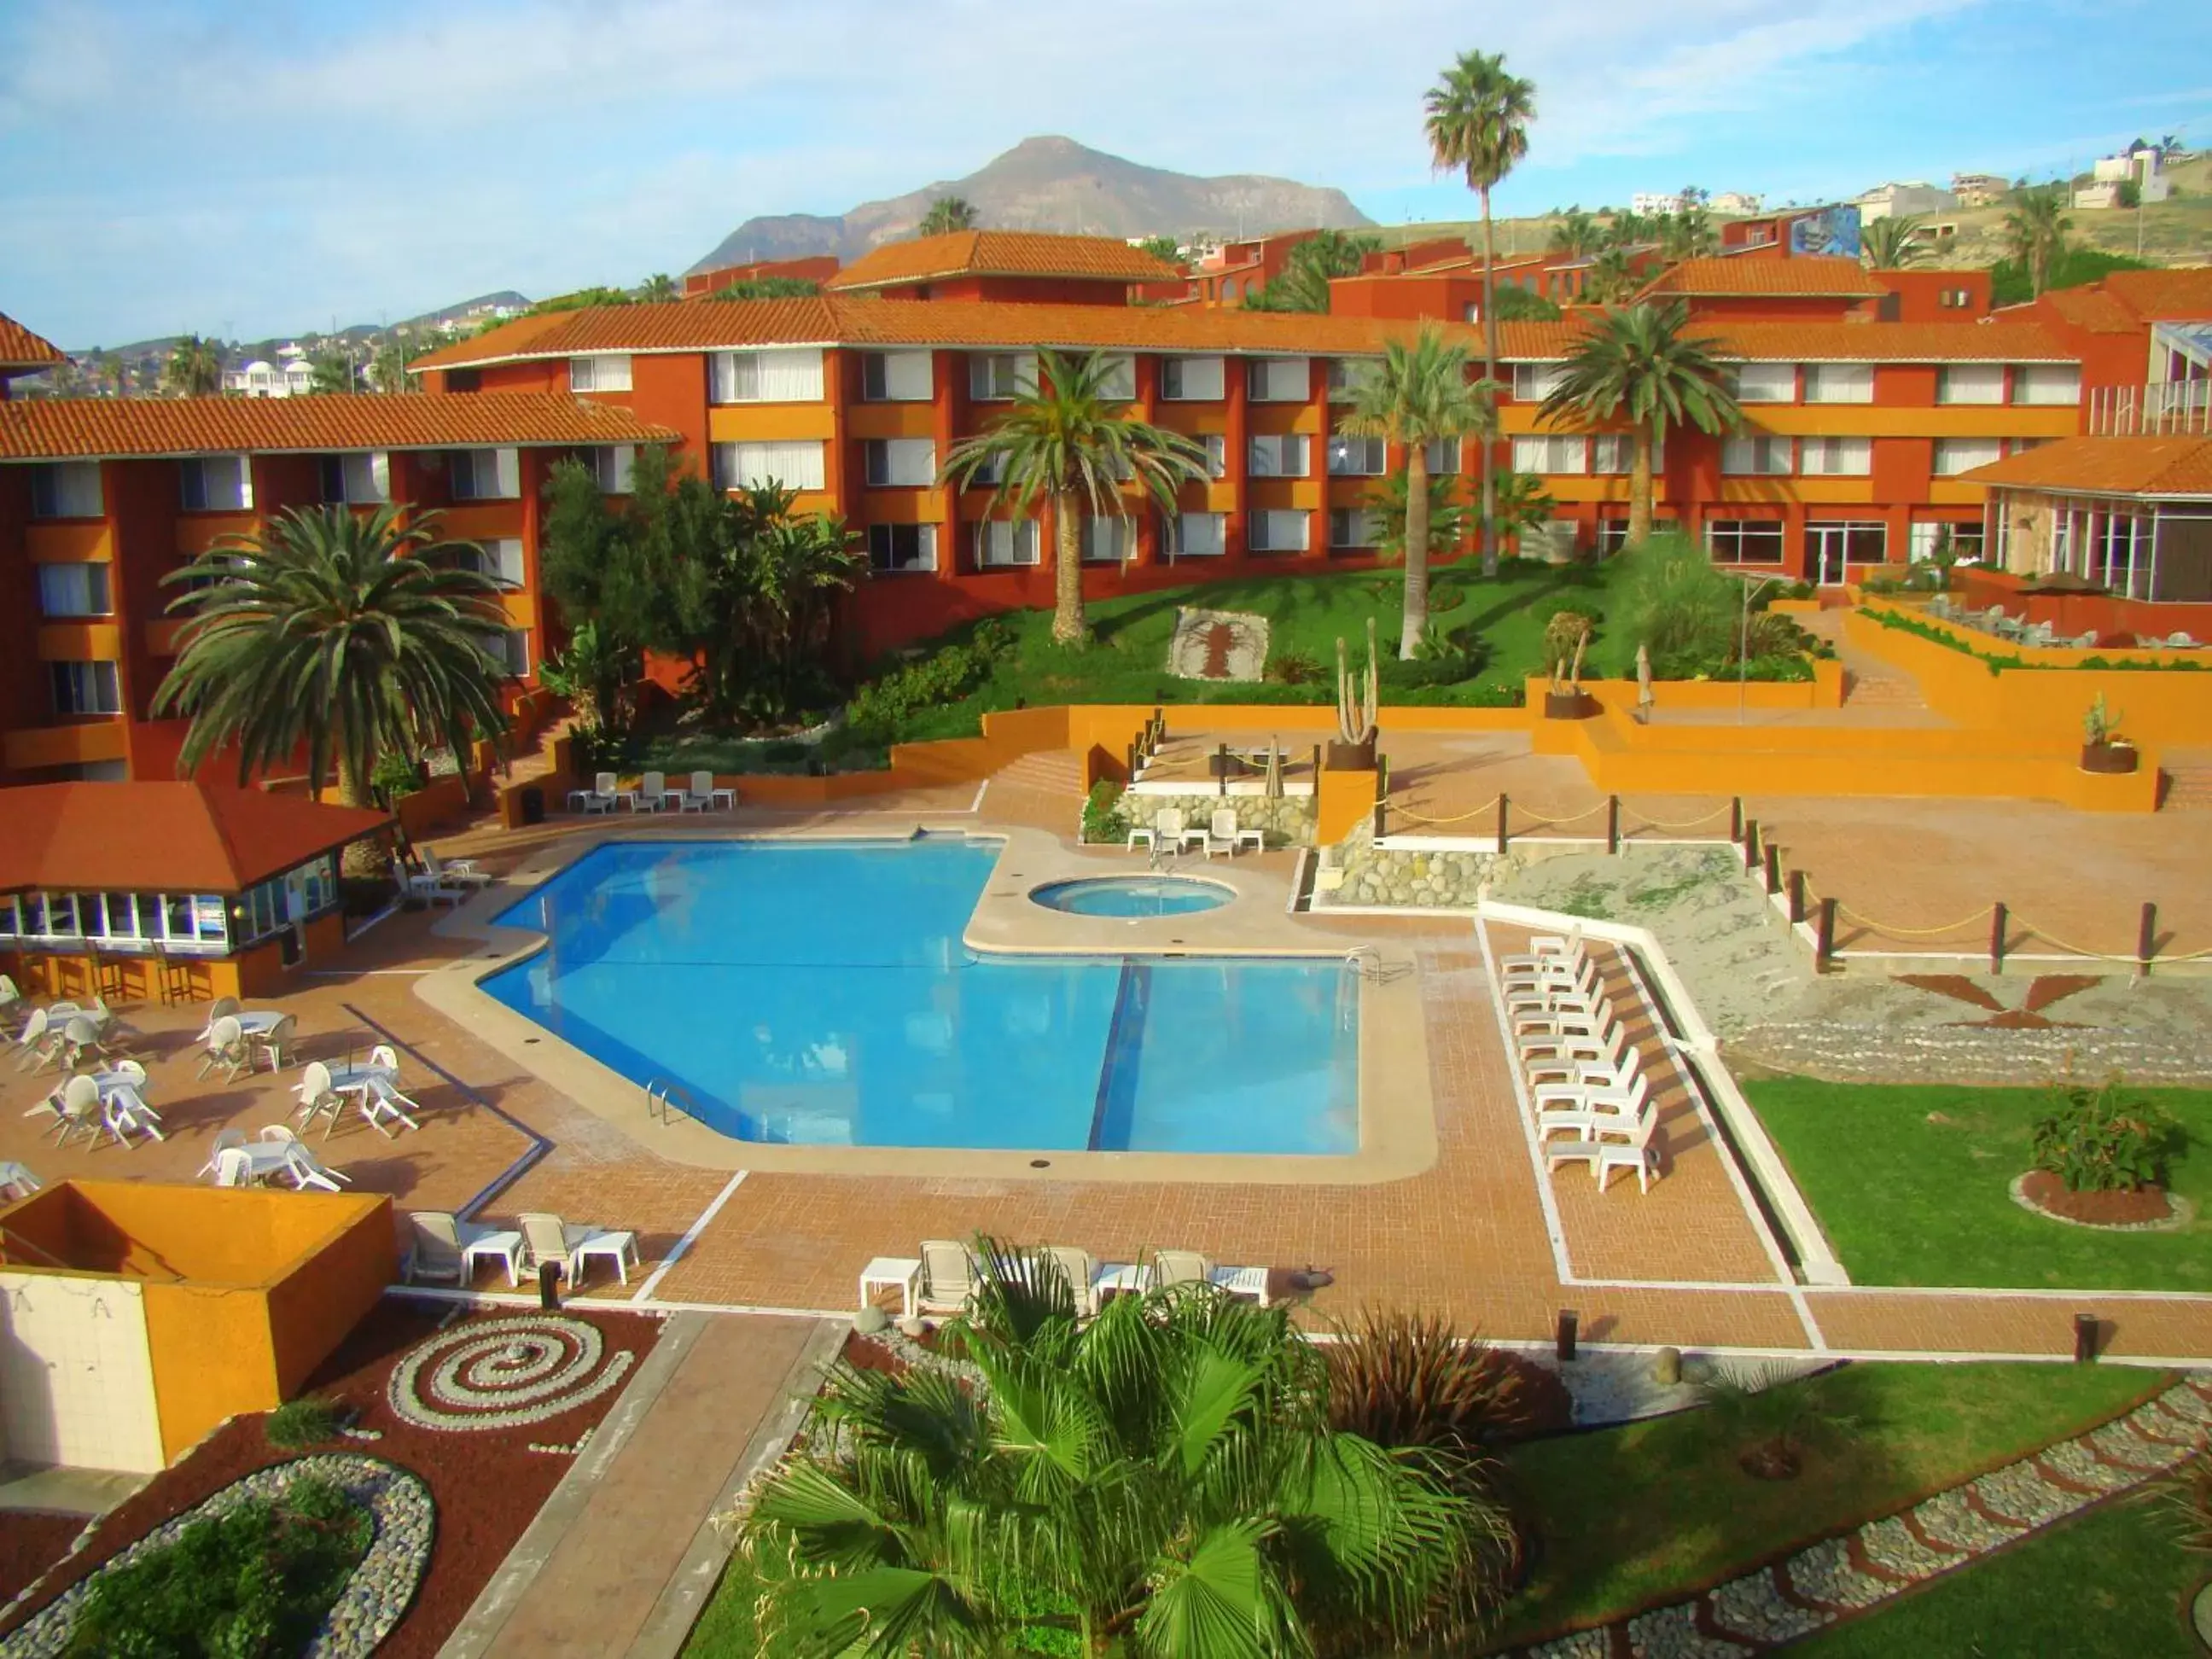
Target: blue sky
x: 242, y: 166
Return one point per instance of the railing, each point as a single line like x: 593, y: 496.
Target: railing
x: 2163, y: 408
x: 661, y: 1098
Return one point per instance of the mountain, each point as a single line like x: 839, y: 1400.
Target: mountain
x: 1056, y: 184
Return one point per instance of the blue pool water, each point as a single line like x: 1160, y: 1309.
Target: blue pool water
x: 821, y: 993
x: 1133, y: 896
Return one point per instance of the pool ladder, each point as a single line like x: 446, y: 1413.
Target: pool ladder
x: 662, y: 1096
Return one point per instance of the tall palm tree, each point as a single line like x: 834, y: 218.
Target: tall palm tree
x: 1420, y: 393
x: 1068, y: 441
x: 947, y: 213
x: 2035, y: 233
x: 657, y: 287
x: 347, y: 635
x: 1161, y: 1482
x: 194, y: 369
x: 1640, y: 364
x: 1478, y: 122
x: 1576, y: 235
x: 1612, y: 277
x: 1891, y: 244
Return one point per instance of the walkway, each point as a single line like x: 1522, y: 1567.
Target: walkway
x: 1840, y: 1577
x: 624, y: 1555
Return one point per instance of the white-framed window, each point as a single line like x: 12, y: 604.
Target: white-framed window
x: 898, y: 547
x: 1356, y: 458
x: 1200, y: 535
x: 1970, y: 383
x: 900, y: 461
x: 485, y: 475
x: 612, y: 467
x: 1743, y: 541
x: 606, y: 371
x: 66, y: 490
x: 1755, y: 457
x: 1003, y: 542
x: 510, y: 648
x: 1924, y: 536
x: 895, y: 377
x: 1000, y: 377
x: 1835, y: 458
x: 1533, y: 382
x: 1354, y: 526
x: 1543, y: 452
x: 214, y: 483
x: 1767, y: 382
x: 174, y: 922
x: 85, y: 687
x: 786, y: 375
x: 1217, y: 455
x: 2047, y: 382
x: 73, y: 590
x: 794, y: 463
x: 359, y: 479
x: 1283, y: 457
x: 1839, y: 383
x: 499, y: 557
x: 1109, y: 539
x: 1347, y: 375
x: 1278, y: 530
x: 1860, y: 542
x: 1277, y: 380
x: 1119, y: 381
x: 1613, y: 455
x: 1957, y: 455
x: 1193, y: 379
x: 1444, y: 457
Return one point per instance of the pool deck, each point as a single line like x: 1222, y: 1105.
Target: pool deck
x: 1481, y: 1232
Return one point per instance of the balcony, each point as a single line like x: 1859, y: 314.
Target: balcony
x: 2162, y: 410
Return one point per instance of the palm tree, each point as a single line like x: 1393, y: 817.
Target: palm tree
x: 1161, y: 1482
x: 1068, y: 441
x: 659, y: 287
x: 347, y: 634
x: 1478, y: 121
x: 1576, y: 235
x: 1420, y: 393
x: 332, y: 370
x: 2035, y: 231
x: 1639, y: 364
x: 947, y: 213
x: 1891, y: 244
x: 1612, y: 277
x: 194, y: 369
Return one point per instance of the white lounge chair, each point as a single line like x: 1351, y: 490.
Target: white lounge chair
x: 1080, y: 1268
x: 948, y: 1277
x: 421, y: 884
x: 652, y: 794
x: 1544, y: 950
x: 1574, y: 1059
x: 1190, y: 1267
x: 1566, y: 967
x: 1225, y: 835
x: 1638, y: 1152
x: 1166, y: 829
x: 603, y: 796
x: 1584, y: 989
x: 705, y: 793
x: 442, y: 1246
x: 453, y: 872
x: 550, y: 1239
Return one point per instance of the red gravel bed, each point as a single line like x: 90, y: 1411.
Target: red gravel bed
x: 2047, y: 1191
x: 30, y: 1543
x: 488, y: 1485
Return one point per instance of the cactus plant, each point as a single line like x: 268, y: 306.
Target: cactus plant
x: 1357, y: 704
x: 2100, y: 724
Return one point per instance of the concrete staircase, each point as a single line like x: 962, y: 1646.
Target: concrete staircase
x: 1876, y: 685
x: 1044, y: 771
x: 2188, y: 789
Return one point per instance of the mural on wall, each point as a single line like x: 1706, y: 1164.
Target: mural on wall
x: 1833, y: 231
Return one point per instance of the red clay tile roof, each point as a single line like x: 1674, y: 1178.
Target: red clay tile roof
x: 164, y: 837
x: 78, y: 428
x: 2106, y: 467
x: 2178, y: 295
x: 20, y: 348
x: 1001, y: 253
x: 1808, y: 278
x: 2093, y: 309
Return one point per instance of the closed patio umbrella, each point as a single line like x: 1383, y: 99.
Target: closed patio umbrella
x: 1274, y: 769
x: 1644, y: 682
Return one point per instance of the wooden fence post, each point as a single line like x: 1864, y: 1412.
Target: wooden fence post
x: 1751, y: 844
x: 1735, y: 818
x: 1135, y: 765
x: 1612, y: 824
x: 1501, y: 810
x: 1382, y: 792
x: 2146, y: 940
x: 1825, y: 950
x: 1997, y: 939
x: 1773, y: 869
x: 1316, y: 777
x: 1221, y: 765
x: 1796, y: 898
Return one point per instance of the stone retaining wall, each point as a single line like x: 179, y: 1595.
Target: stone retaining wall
x: 1449, y: 881
x: 1288, y: 821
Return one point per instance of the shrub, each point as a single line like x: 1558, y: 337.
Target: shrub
x: 784, y: 752
x: 2096, y: 1142
x: 880, y: 710
x: 1293, y: 668
x: 1103, y: 817
x: 1678, y: 607
x: 253, y: 1584
x: 395, y: 775
x: 1770, y: 1417
x: 306, y: 1421
x: 1566, y: 637
x: 1409, y: 1379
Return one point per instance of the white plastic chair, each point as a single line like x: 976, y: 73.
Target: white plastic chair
x: 948, y: 1276
x: 222, y: 1008
x: 1224, y: 834
x: 1190, y: 1267
x: 1604, y: 1157
x: 453, y: 872
x: 551, y: 1239
x: 126, y: 1114
x: 1609, y: 1059
x: 1593, y: 1113
x: 79, y: 1112
x: 380, y: 1100
x: 705, y: 792
x: 1544, y: 950
x: 602, y: 796
x: 317, y: 1099
x: 34, y: 1038
x: 653, y: 792
x: 271, y: 1044
x: 226, y: 1140
x: 226, y: 1050
x: 233, y: 1167
x: 1080, y: 1268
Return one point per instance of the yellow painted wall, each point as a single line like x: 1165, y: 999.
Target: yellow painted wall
x: 198, y: 532
x: 80, y: 642
x: 212, y: 1359
x: 1347, y: 798
x: 63, y: 745
x: 86, y: 541
x: 729, y: 423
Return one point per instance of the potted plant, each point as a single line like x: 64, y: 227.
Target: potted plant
x: 2103, y: 747
x: 1357, y: 698
x: 1564, y: 699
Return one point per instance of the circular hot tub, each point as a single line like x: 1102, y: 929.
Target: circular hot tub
x: 1133, y: 896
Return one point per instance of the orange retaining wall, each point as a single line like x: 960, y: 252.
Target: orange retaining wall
x: 1346, y: 799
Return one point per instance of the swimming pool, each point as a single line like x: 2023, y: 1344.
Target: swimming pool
x: 819, y: 993
x: 1132, y: 897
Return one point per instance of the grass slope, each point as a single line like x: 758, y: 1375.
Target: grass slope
x: 1910, y: 1185
x: 1656, y: 1510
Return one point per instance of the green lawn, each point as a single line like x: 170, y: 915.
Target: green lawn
x: 2108, y: 1585
x: 1910, y: 1185
x: 1631, y: 1516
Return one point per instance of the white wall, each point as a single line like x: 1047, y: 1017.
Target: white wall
x: 76, y: 1376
